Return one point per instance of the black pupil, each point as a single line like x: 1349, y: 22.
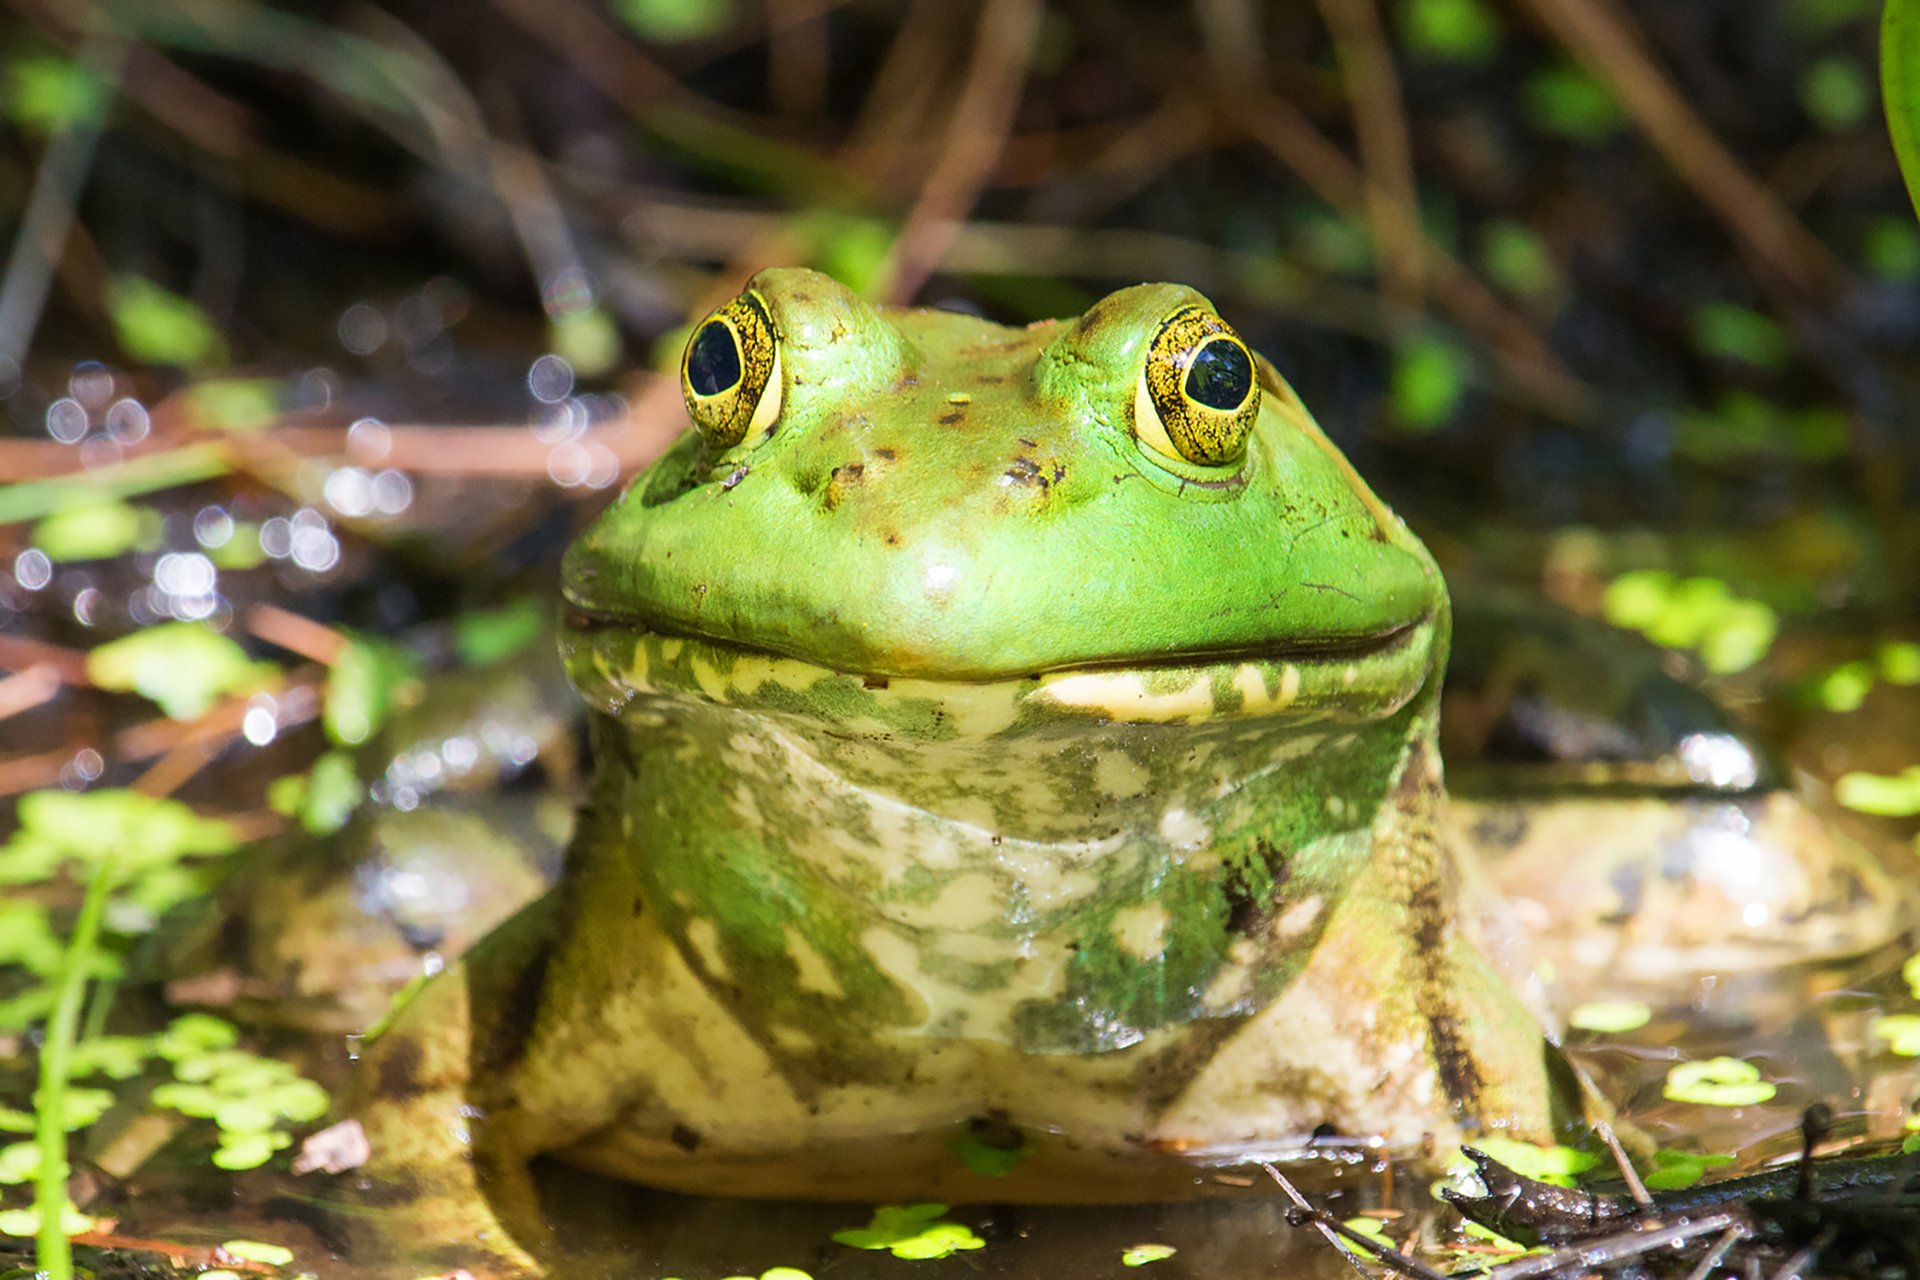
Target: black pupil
x: 713, y: 362
x: 1220, y: 375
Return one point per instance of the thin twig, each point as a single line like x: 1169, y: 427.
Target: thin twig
x: 976, y: 132
x: 1628, y: 1174
x: 1300, y: 1202
x: 1705, y: 1266
x: 1603, y: 38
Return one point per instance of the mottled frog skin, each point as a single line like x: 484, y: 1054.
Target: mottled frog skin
x: 1020, y: 732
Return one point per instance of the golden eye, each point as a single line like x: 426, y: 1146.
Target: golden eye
x: 730, y: 374
x: 1198, y: 394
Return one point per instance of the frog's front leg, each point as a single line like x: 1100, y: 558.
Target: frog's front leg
x: 447, y: 1178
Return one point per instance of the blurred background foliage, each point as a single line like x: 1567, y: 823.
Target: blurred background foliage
x: 1641, y: 268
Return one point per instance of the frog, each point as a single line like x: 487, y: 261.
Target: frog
x: 1005, y: 738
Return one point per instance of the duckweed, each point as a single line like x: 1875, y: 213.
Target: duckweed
x: 1678, y: 1170
x: 1610, y: 1016
x: 1901, y: 1032
x: 1718, y: 1082
x: 911, y: 1231
x: 1140, y: 1255
x: 271, y: 1255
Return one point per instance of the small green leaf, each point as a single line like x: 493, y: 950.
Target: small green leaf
x: 95, y: 529
x: 1718, y: 1082
x: 1429, y: 379
x: 26, y: 1222
x: 184, y: 667
x: 1835, y: 93
x: 1901, y: 1032
x: 587, y: 339
x: 1884, y: 795
x: 484, y: 636
x: 46, y: 94
x: 267, y: 1255
x: 193, y: 1034
x: 368, y: 677
x: 1893, y: 250
x: 1518, y: 260
x: 1677, y: 1170
x: 238, y: 1151
x: 911, y: 1231
x: 115, y: 1057
x: 1910, y: 971
x: 672, y: 21
x: 1565, y: 99
x: 1139, y: 1255
x: 1463, y: 31
x: 1556, y: 1164
x: 156, y: 326
x: 1845, y: 687
x: 991, y: 1160
x: 1740, y: 333
x: 322, y: 799
x: 1899, y: 662
x: 1610, y: 1016
x: 1372, y: 1228
x: 19, y: 1163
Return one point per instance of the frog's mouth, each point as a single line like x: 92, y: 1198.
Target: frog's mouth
x: 615, y: 659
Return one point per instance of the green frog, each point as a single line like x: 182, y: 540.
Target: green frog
x: 1019, y: 738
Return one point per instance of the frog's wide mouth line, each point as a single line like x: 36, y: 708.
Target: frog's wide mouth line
x: 615, y: 660
x: 581, y: 621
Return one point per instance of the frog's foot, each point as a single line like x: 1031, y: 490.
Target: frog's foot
x: 446, y: 1183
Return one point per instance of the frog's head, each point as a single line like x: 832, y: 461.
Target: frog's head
x: 1101, y: 507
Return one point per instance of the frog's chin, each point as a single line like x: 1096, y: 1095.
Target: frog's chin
x: 616, y: 661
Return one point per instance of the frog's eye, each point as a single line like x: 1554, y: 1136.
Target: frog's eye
x: 730, y: 374
x: 1198, y: 395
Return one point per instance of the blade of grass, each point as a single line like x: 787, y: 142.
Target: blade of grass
x: 1900, y: 86
x: 53, y: 1254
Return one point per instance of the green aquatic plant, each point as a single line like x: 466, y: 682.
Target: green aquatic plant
x: 1718, y: 1082
x: 911, y: 1231
x: 1900, y: 86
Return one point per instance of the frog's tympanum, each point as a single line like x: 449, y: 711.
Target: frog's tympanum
x: 1009, y: 735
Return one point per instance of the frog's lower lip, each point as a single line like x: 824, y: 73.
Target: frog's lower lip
x: 1318, y: 650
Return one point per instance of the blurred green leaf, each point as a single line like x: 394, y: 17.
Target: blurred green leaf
x: 157, y: 326
x: 1450, y: 30
x: 1818, y: 16
x: 482, y: 636
x: 366, y: 680
x: 1429, y: 378
x: 1565, y: 99
x: 1899, y: 662
x: 1884, y: 795
x: 45, y: 94
x: 587, y: 339
x: 185, y: 667
x: 852, y: 250
x: 234, y: 404
x: 669, y: 21
x: 1893, y: 249
x: 322, y: 799
x: 1845, y: 687
x: 1678, y: 1170
x: 1900, y: 86
x: 1835, y: 93
x: 93, y: 527
x: 1517, y: 259
x: 1740, y: 333
x: 1730, y: 633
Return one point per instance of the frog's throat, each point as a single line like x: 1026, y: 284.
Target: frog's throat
x: 1079, y: 861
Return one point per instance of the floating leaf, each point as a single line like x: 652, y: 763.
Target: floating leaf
x: 1677, y: 1170
x: 1373, y: 1229
x: 1911, y: 972
x: 1887, y: 796
x: 1518, y: 260
x: 1718, y: 1082
x: 26, y: 1222
x: 19, y: 1163
x: 911, y: 1231
x: 1899, y: 662
x: 27, y: 939
x: 184, y: 667
x: 1610, y: 1016
x: 157, y: 326
x: 115, y: 1057
x: 239, y: 1151
x: 267, y: 1255
x: 1139, y: 1255
x: 192, y: 1034
x: 1556, y: 1164
x: 234, y: 404
x: 1901, y: 1032
x: 1845, y: 687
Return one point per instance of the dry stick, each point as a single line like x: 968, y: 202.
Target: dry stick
x: 1386, y: 151
x: 1604, y: 39
x: 797, y: 56
x: 976, y: 132
x: 1720, y: 1249
x: 31, y: 688
x: 314, y: 641
x: 1630, y: 1175
x: 1317, y: 1219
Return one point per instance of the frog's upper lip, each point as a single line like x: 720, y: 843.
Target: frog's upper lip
x: 1319, y: 649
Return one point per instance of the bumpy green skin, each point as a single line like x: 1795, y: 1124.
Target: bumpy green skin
x: 963, y: 765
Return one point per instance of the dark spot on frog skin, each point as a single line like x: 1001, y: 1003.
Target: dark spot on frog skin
x: 688, y: 1140
x: 955, y: 418
x: 892, y: 539
x: 886, y: 453
x: 842, y: 478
